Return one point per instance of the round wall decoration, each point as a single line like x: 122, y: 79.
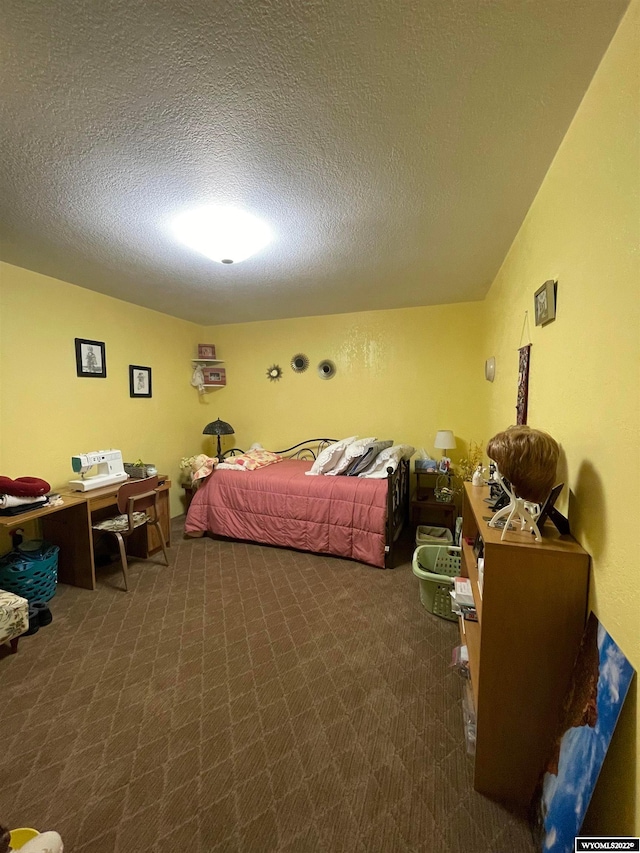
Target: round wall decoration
x: 274, y: 373
x: 299, y: 363
x: 326, y: 369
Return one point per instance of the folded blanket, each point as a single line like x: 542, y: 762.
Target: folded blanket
x: 9, y: 501
x: 16, y: 510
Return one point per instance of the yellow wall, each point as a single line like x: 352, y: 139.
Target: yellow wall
x: 401, y: 374
x: 48, y: 413
x: 584, y: 231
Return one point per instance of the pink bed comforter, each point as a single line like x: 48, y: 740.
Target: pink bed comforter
x: 279, y: 505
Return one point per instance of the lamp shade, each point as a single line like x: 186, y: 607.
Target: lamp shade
x: 218, y: 428
x: 445, y: 440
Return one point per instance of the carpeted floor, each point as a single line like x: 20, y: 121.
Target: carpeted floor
x: 244, y: 699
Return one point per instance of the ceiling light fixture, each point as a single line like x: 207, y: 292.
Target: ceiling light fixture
x: 224, y: 234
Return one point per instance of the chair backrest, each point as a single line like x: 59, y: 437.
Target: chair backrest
x: 143, y: 493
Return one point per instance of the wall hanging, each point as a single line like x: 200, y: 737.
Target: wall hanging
x: 139, y: 381
x: 299, y: 363
x: 544, y: 302
x: 326, y: 369
x: 91, y: 358
x: 523, y: 384
x: 524, y: 358
x: 274, y: 373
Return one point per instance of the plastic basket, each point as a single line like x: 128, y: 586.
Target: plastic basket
x: 426, y: 535
x: 140, y: 472
x: 436, y: 566
x: 31, y: 571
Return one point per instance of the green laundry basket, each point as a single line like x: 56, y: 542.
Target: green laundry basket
x: 436, y: 566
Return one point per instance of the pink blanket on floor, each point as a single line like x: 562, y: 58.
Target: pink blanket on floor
x: 280, y: 505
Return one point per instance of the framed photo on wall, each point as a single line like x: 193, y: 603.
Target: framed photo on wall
x: 206, y: 351
x: 214, y: 375
x: 544, y: 301
x: 91, y: 358
x: 139, y: 381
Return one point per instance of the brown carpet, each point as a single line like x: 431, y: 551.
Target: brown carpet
x: 244, y: 699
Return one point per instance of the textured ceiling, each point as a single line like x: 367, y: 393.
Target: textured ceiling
x: 394, y: 146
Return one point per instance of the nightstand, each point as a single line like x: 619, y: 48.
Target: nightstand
x: 188, y: 494
x: 425, y: 509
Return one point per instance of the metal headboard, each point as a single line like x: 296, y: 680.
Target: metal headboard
x: 308, y: 449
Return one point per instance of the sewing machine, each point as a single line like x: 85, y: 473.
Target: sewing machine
x: 110, y: 469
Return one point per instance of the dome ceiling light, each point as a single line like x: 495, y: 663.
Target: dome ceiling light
x: 224, y: 234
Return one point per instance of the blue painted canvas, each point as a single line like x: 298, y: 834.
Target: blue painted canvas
x: 599, y: 685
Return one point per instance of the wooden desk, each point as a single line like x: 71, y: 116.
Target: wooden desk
x: 69, y: 527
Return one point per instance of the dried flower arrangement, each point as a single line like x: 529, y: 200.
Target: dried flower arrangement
x: 468, y: 464
x: 185, y: 468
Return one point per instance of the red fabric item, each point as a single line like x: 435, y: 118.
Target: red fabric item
x: 24, y: 487
x: 279, y: 505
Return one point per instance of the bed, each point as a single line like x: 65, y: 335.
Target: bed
x: 353, y: 517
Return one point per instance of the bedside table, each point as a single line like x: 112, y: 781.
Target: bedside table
x: 188, y: 494
x: 425, y: 509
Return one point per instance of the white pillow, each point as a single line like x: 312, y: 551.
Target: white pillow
x: 330, y: 456
x: 388, y: 458
x: 355, y: 449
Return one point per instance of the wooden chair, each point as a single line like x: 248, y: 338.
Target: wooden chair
x: 137, y: 505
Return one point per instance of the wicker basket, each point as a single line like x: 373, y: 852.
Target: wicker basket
x: 31, y: 571
x: 436, y: 566
x: 140, y: 472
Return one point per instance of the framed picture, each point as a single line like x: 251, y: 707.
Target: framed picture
x: 139, y: 381
x: 206, y: 351
x: 544, y: 302
x: 444, y: 466
x: 214, y: 375
x: 91, y: 358
x: 599, y: 686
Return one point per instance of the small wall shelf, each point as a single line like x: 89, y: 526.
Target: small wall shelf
x: 214, y: 376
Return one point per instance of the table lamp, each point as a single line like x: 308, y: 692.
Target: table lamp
x: 445, y: 440
x: 218, y: 428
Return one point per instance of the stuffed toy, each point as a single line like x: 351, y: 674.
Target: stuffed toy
x: 45, y: 842
x: 24, y: 487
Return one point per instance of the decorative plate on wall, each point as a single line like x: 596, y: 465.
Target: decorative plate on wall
x: 326, y: 369
x: 299, y: 363
x: 274, y: 372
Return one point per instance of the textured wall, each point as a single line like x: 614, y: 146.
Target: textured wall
x: 583, y: 230
x: 49, y: 413
x: 401, y: 374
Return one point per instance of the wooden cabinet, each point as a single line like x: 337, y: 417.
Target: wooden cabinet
x: 531, y: 614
